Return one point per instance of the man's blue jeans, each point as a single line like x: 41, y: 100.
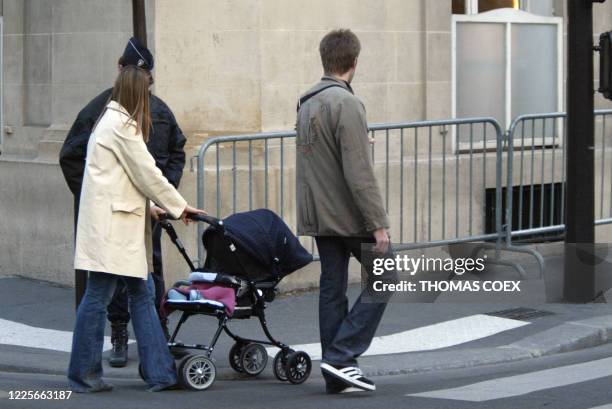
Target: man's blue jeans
x: 345, y: 335
x: 85, y: 370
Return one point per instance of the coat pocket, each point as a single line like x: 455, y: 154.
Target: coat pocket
x: 308, y: 208
x: 309, y: 135
x: 126, y: 219
x: 136, y: 209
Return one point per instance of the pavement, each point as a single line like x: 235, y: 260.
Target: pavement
x: 36, y: 320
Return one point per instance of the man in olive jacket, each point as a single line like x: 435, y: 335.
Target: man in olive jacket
x: 340, y: 204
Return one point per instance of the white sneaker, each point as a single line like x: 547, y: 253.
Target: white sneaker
x: 351, y: 375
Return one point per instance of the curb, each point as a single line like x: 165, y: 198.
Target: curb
x: 566, y: 337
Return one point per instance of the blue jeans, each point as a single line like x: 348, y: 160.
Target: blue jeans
x: 85, y: 370
x: 345, y: 334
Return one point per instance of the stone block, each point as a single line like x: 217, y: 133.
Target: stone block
x: 377, y: 60
x: 37, y: 59
x: 83, y: 16
x: 278, y: 106
x: 38, y: 16
x: 282, y: 67
x: 76, y: 58
x: 234, y: 58
x: 12, y: 11
x: 405, y: 102
x: 37, y: 105
x: 438, y: 61
x: 438, y: 15
x: 374, y: 97
x: 13, y: 59
x: 217, y: 108
x: 68, y: 100
x: 439, y: 100
x: 13, y: 104
x: 404, y: 15
x: 409, y: 61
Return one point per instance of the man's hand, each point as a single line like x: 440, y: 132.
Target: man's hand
x: 156, y: 212
x: 382, y: 240
x: 190, y: 210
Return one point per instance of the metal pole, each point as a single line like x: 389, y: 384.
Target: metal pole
x: 579, y: 276
x: 139, y: 21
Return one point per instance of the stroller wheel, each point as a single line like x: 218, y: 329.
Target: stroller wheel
x: 196, y: 372
x: 298, y: 367
x: 280, y: 359
x: 253, y: 359
x: 234, y: 357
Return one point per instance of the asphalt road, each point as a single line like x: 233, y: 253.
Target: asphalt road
x: 556, y: 382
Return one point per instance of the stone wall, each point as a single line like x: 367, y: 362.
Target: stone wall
x: 237, y: 66
x: 224, y: 67
x: 58, y: 54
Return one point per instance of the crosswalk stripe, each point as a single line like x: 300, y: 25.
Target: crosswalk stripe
x: 523, y: 384
x: 430, y: 337
x: 15, y: 333
x: 609, y: 406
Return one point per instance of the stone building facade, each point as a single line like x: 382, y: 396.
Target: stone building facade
x: 223, y: 66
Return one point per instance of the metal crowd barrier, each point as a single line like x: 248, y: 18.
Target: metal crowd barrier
x: 537, y: 143
x: 443, y: 171
x: 459, y: 158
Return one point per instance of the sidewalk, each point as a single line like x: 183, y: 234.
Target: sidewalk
x: 411, y: 338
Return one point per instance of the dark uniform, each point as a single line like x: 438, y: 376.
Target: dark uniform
x: 166, y: 144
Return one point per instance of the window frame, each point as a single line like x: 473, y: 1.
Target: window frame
x: 471, y: 6
x: 507, y: 17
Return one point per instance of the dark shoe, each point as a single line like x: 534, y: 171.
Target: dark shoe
x: 164, y: 326
x: 100, y: 386
x: 350, y: 375
x: 160, y: 388
x: 336, y: 387
x: 119, y: 339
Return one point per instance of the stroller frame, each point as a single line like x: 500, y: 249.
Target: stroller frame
x: 288, y: 364
x: 223, y: 319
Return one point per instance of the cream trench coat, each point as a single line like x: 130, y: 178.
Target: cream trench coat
x: 114, y: 227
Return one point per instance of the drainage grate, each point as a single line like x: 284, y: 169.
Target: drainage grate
x: 520, y: 313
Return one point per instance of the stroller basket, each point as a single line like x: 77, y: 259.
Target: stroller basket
x: 248, y: 254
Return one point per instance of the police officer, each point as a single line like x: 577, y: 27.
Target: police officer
x: 166, y: 144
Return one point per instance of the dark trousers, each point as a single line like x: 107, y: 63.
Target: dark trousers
x: 117, y: 310
x: 345, y: 335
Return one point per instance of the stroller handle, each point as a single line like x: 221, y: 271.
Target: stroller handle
x: 213, y: 221
x: 196, y: 217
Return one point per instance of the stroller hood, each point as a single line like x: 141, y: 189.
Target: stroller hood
x: 267, y: 239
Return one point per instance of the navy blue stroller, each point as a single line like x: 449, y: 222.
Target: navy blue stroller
x: 249, y: 252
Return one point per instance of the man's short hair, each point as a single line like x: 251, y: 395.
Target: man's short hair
x: 338, y: 50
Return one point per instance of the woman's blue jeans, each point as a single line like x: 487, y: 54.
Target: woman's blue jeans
x: 85, y: 370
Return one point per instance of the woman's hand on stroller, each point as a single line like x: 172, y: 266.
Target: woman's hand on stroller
x: 156, y: 212
x: 191, y: 211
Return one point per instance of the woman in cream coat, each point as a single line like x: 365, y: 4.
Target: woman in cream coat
x: 113, y: 235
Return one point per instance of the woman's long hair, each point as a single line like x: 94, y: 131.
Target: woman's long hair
x: 131, y: 91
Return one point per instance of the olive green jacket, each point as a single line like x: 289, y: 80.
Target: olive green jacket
x: 337, y: 192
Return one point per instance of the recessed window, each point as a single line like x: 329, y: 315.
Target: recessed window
x: 506, y: 63
x: 541, y: 7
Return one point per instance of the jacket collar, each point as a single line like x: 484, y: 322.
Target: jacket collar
x: 342, y: 83
x: 115, y: 106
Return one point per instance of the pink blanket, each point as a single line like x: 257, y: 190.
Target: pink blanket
x: 215, y: 292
